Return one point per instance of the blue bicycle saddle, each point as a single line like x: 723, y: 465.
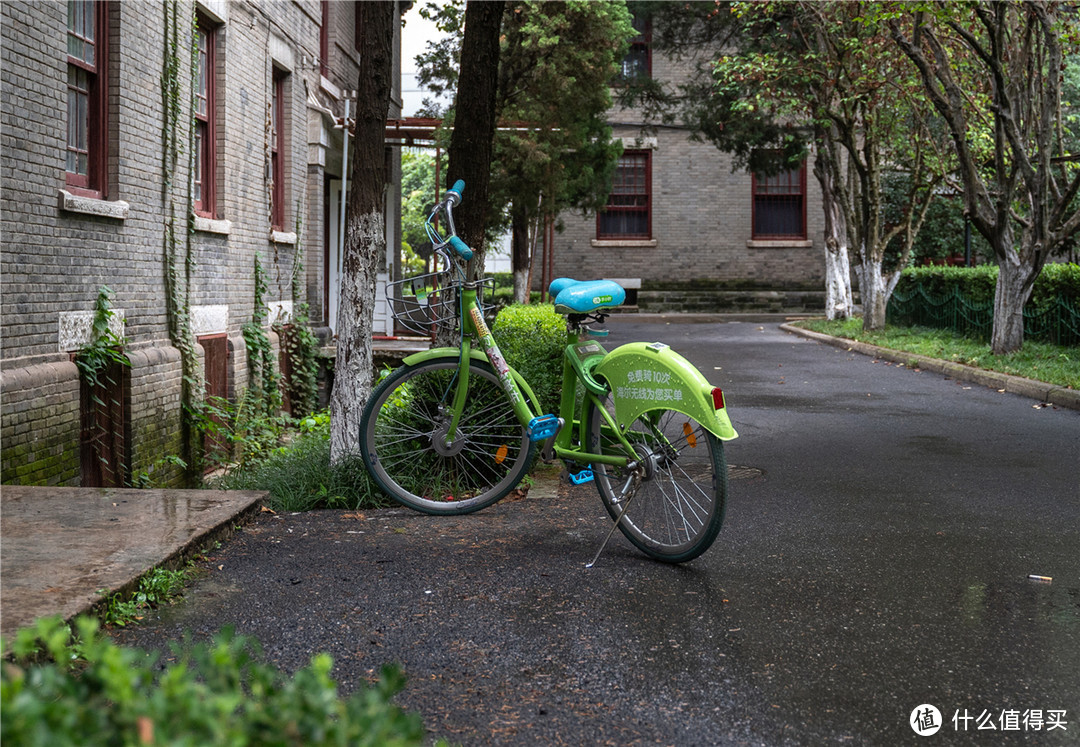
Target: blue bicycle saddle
x: 585, y: 296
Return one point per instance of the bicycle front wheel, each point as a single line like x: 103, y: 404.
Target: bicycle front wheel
x: 672, y: 503
x: 404, y: 441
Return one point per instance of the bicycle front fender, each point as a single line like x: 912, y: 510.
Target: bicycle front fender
x: 477, y: 355
x: 646, y: 376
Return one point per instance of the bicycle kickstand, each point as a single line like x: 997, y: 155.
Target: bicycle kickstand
x: 611, y: 531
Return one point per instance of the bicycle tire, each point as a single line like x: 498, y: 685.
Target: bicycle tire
x: 400, y: 439
x: 675, y: 502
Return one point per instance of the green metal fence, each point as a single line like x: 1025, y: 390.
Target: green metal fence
x: 1056, y: 322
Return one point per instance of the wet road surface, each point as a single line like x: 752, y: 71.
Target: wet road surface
x: 876, y: 556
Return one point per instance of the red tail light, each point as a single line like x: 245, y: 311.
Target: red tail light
x: 717, y: 398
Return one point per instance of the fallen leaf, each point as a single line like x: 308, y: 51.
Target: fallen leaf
x: 267, y: 510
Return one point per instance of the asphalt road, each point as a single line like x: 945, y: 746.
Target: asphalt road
x: 875, y: 558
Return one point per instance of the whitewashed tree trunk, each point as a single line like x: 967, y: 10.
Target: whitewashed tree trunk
x: 521, y: 286
x: 365, y: 231
x: 353, y: 370
x: 874, y: 290
x: 838, y: 299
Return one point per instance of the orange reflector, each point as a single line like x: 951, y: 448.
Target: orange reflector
x: 717, y: 398
x: 500, y: 455
x: 690, y: 437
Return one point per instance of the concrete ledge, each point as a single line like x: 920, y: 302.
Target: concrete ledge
x: 73, y: 203
x: 1038, y: 390
x: 65, y: 547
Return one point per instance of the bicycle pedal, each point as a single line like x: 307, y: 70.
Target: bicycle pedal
x: 582, y: 477
x: 544, y: 427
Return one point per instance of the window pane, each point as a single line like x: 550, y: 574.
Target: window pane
x: 199, y: 130
x: 778, y: 216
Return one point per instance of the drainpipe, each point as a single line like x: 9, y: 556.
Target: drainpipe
x: 344, y: 188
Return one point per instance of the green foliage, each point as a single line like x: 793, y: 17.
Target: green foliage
x: 977, y: 284
x: 241, y: 432
x: 146, y: 478
x: 300, y: 477
x: 65, y: 688
x: 532, y: 339
x: 265, y: 381
x: 302, y: 348
x: 556, y: 61
x: 159, y: 586
x: 104, y: 348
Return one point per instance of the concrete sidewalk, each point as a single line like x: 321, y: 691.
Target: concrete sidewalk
x: 62, y: 546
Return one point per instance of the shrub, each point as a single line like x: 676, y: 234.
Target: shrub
x: 532, y: 338
x: 62, y: 689
x: 299, y: 476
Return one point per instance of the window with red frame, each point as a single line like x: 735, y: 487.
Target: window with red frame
x: 87, y: 93
x: 277, y: 150
x: 780, y: 205
x: 324, y: 38
x: 628, y: 212
x: 638, y: 61
x: 205, y: 117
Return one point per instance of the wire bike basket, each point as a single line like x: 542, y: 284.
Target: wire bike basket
x: 423, y: 303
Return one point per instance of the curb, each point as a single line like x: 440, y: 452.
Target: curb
x: 1038, y: 390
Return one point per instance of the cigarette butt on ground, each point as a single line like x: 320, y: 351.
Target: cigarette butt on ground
x: 1044, y: 579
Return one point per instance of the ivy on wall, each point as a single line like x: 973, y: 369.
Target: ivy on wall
x: 179, y: 250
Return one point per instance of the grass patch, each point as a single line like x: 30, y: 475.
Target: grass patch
x: 299, y: 477
x: 1053, y: 364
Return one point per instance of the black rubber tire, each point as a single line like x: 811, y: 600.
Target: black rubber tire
x: 681, y: 490
x: 399, y: 428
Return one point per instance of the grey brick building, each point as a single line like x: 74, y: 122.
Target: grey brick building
x: 683, y: 232
x: 158, y: 149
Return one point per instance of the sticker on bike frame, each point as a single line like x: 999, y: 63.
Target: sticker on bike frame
x: 502, y: 370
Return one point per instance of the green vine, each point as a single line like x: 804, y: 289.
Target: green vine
x: 299, y: 342
x: 264, y: 379
x: 104, y: 348
x: 177, y: 251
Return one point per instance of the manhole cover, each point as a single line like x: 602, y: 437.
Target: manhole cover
x: 735, y: 472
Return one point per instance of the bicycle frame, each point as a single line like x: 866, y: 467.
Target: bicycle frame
x: 580, y: 360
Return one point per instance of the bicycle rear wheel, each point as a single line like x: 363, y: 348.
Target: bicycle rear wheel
x: 403, y: 439
x: 675, y: 500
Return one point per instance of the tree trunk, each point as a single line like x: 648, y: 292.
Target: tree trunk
x: 873, y: 286
x: 519, y: 252
x: 472, y: 141
x: 1010, y: 296
x: 365, y: 234
x: 838, y: 300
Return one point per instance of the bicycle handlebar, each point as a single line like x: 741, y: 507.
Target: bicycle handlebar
x: 452, y: 198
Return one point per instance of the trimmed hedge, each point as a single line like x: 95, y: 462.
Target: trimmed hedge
x: 532, y: 338
x: 977, y: 284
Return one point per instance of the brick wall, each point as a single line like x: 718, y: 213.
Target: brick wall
x: 701, y: 222
x: 59, y: 252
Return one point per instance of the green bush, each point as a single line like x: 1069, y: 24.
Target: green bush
x: 977, y: 284
x: 63, y: 689
x: 299, y: 475
x: 532, y: 338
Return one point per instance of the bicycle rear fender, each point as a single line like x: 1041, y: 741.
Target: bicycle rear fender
x: 477, y: 355
x: 645, y: 376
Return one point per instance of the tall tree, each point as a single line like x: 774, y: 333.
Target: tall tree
x: 557, y: 62
x: 554, y: 151
x: 365, y: 230
x: 472, y: 140
x: 829, y: 69
x: 1022, y: 197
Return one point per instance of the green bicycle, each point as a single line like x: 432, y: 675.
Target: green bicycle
x: 454, y: 429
